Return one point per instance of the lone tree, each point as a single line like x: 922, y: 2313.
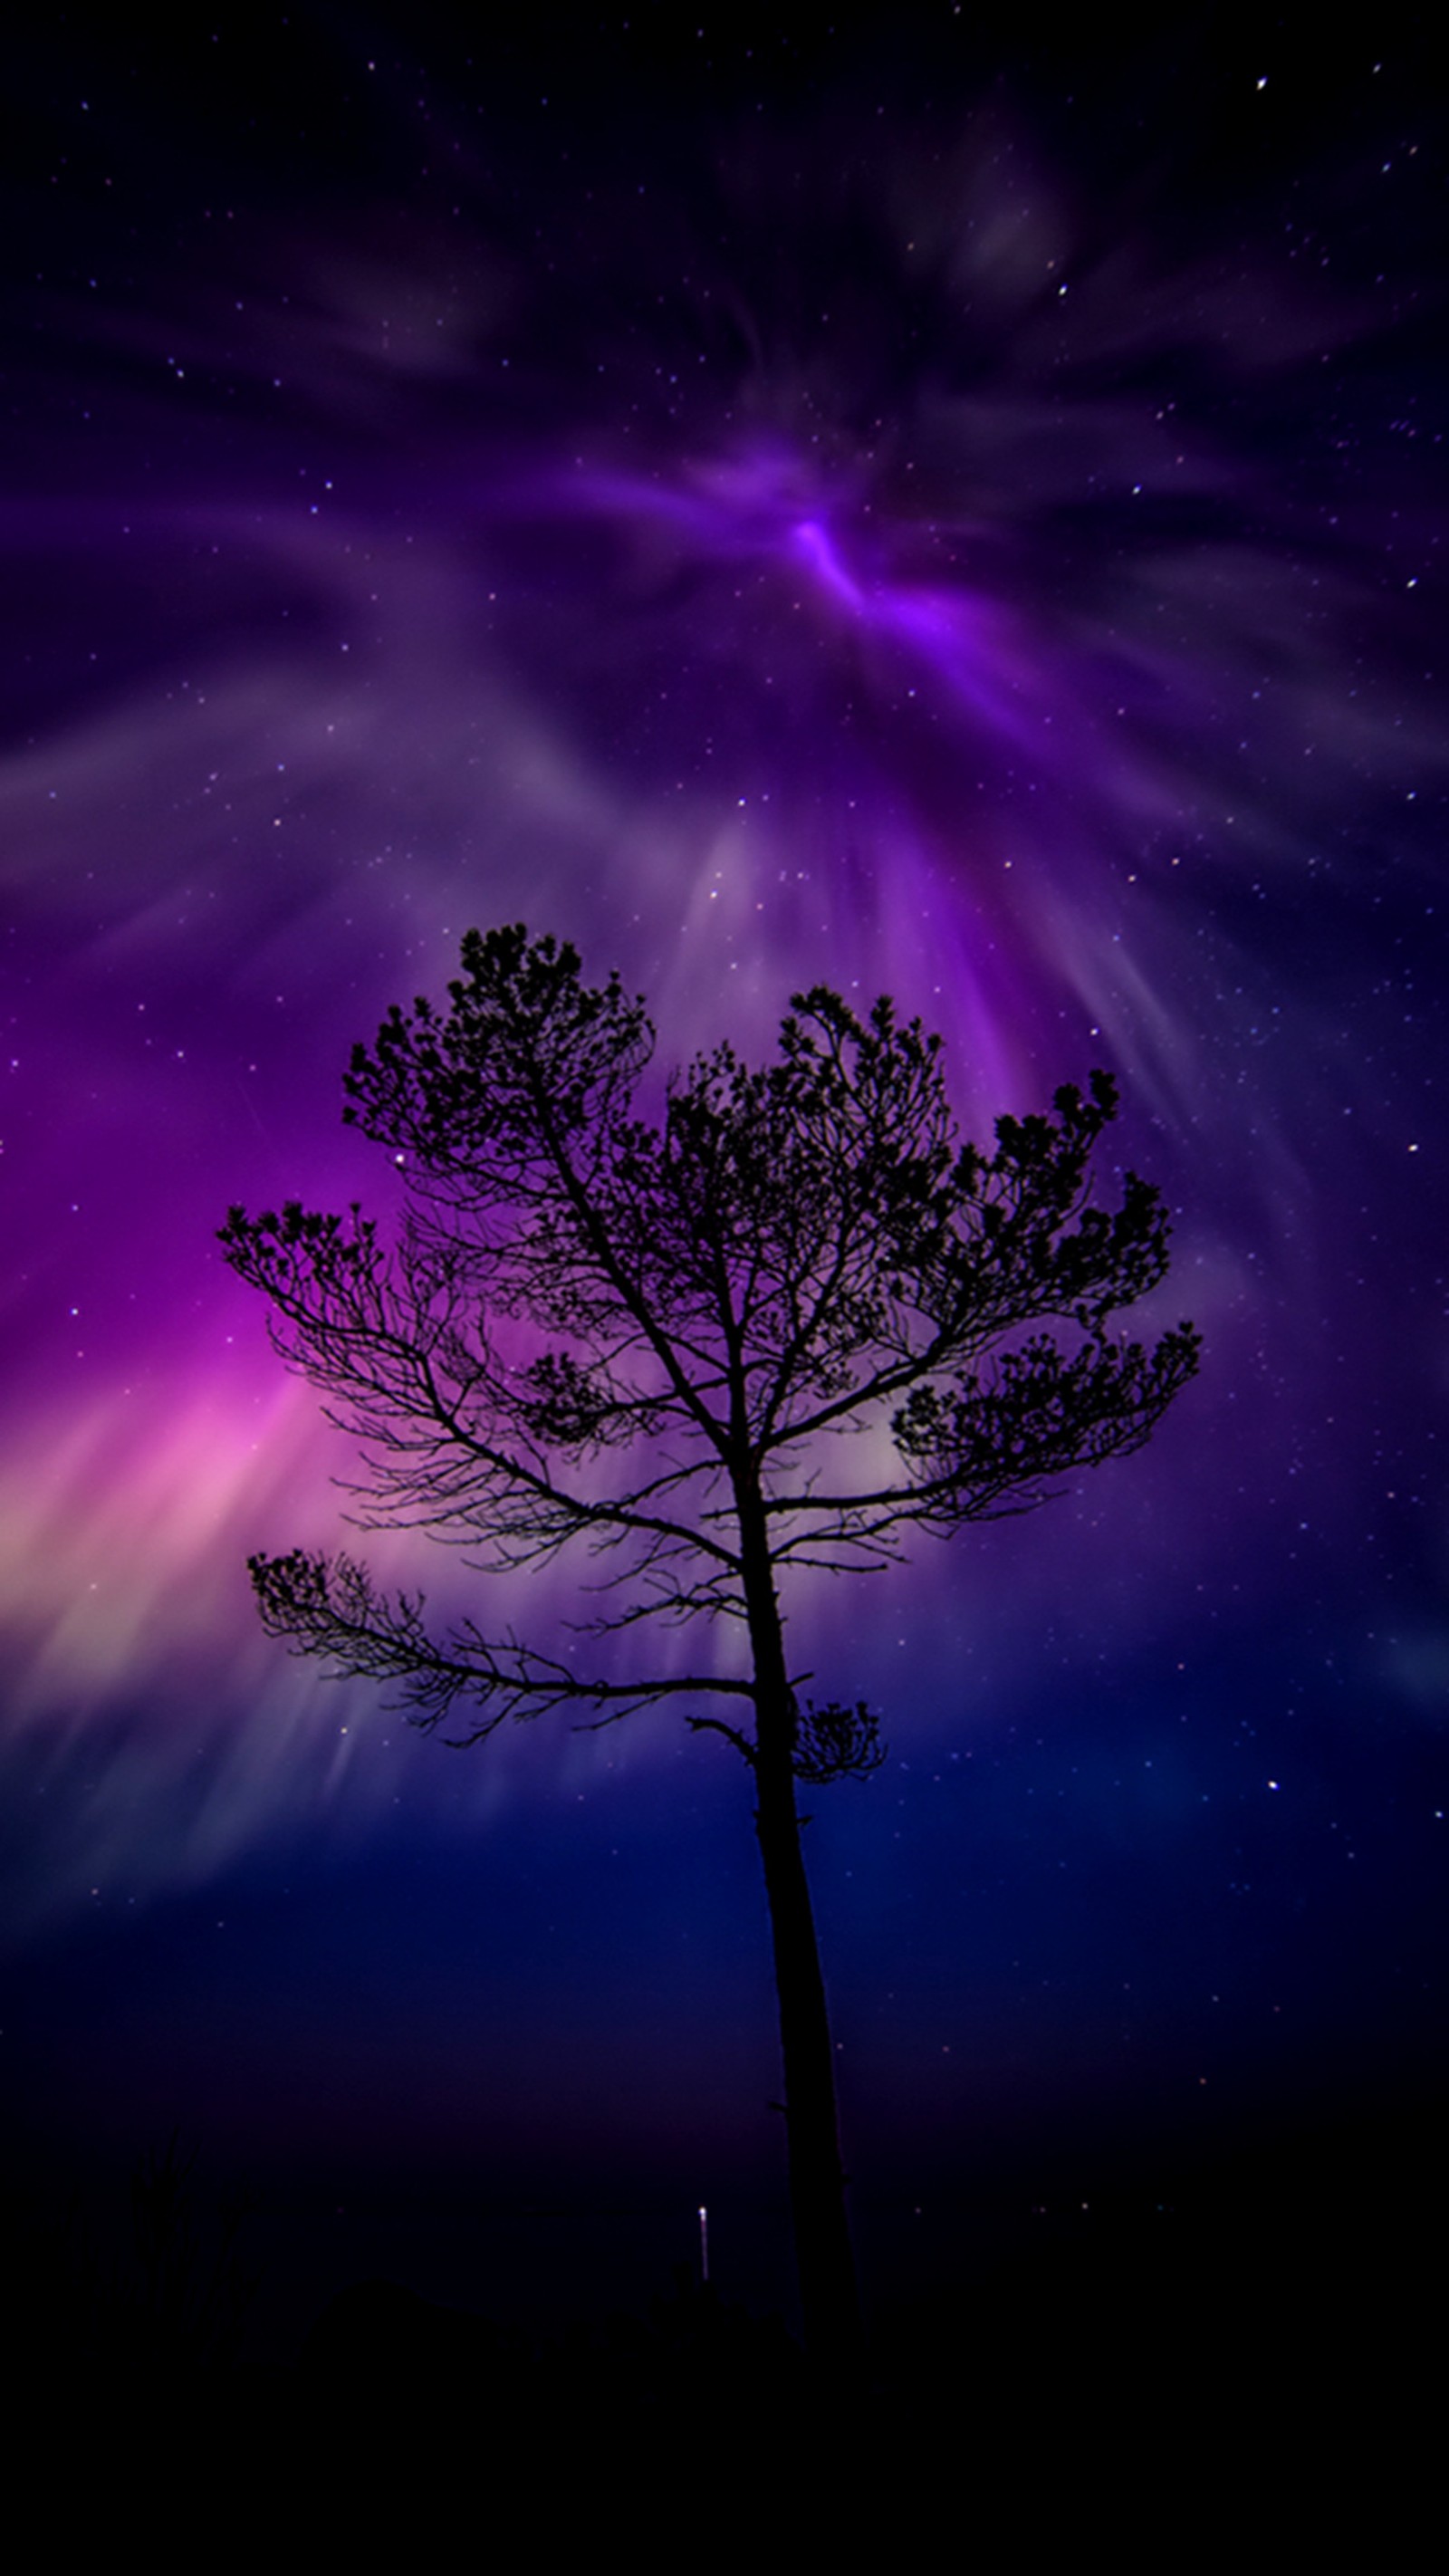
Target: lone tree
x: 648, y: 1337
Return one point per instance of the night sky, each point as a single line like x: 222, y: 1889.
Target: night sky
x: 859, y: 504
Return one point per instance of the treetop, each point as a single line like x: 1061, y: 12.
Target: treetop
x: 652, y: 1334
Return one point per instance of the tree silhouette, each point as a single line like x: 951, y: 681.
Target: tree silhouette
x: 649, y: 1336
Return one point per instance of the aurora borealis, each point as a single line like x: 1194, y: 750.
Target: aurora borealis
x: 870, y: 507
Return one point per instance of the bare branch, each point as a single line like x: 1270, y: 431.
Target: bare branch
x: 330, y: 1607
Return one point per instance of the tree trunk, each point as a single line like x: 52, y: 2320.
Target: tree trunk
x: 823, y: 2252
x: 825, y: 2262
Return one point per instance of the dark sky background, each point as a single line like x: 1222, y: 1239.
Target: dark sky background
x: 861, y: 504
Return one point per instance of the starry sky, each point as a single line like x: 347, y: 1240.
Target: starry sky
x: 806, y: 498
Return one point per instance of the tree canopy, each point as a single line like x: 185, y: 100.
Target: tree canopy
x: 592, y: 1327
